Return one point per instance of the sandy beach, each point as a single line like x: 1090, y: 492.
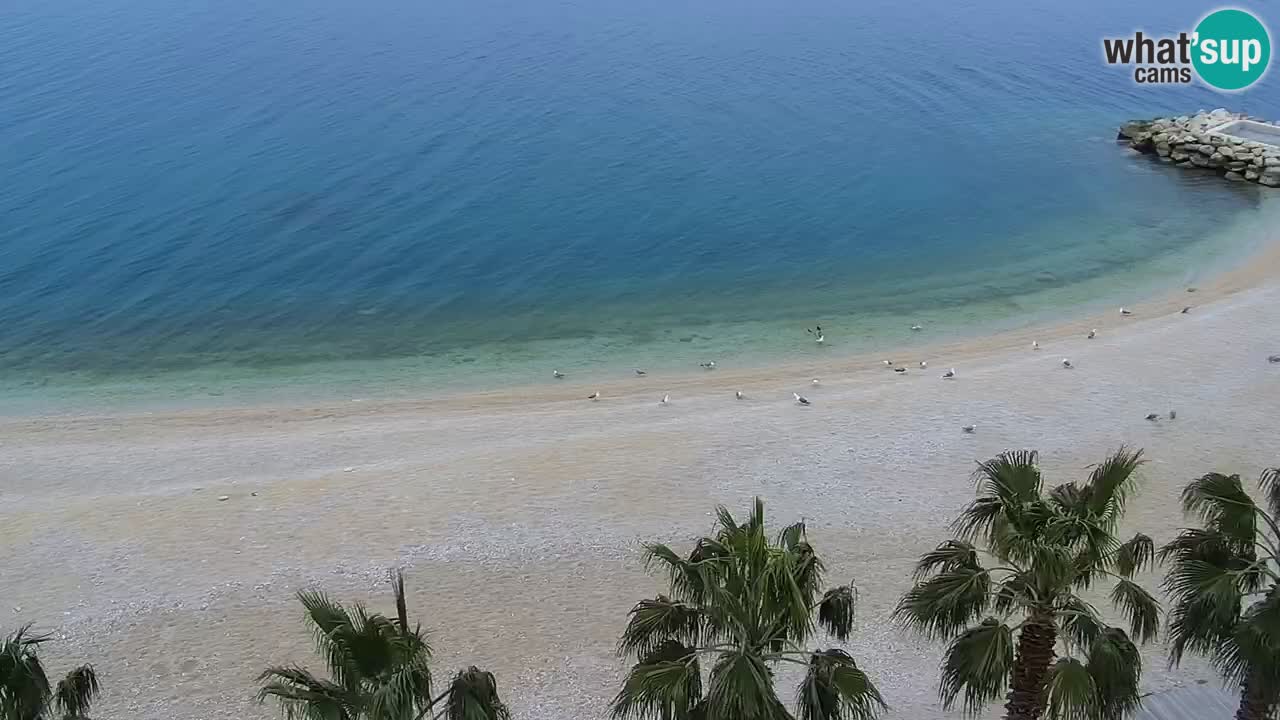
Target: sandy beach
x: 518, y: 514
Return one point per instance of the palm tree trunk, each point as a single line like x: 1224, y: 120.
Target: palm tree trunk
x: 1256, y: 699
x: 1035, y: 654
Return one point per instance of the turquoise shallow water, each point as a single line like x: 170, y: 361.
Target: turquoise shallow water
x: 248, y: 200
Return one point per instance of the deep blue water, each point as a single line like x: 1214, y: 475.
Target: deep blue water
x: 256, y: 185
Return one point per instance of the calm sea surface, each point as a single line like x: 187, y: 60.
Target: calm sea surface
x: 207, y: 200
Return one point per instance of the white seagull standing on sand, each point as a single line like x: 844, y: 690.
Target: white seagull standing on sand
x: 923, y: 364
x: 1125, y: 311
x: 594, y: 396
x: 1092, y: 333
x: 738, y: 394
x: 815, y: 381
x: 557, y: 374
x: 1035, y: 345
x: 801, y: 399
x: 1067, y: 363
x: 665, y: 399
x: 711, y: 365
x: 949, y: 374
x: 888, y: 363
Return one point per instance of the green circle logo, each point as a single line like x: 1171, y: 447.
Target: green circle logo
x: 1232, y: 49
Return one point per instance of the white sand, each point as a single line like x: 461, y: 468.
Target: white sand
x: 519, y: 513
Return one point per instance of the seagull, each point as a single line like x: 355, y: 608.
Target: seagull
x: 1035, y: 345
x: 708, y: 365
x: 594, y: 396
x: 1092, y: 333
x: 916, y: 327
x: 801, y: 399
x: 1067, y: 363
x: 1273, y: 359
x: 949, y: 374
x: 557, y: 374
x: 1125, y: 311
x: 900, y: 370
x: 1186, y: 310
x: 923, y: 364
x: 816, y: 331
x: 640, y: 372
x: 968, y: 428
x: 888, y: 363
x: 815, y: 381
x: 665, y: 399
x: 821, y: 339
x: 1152, y: 417
x: 1173, y: 414
x: 738, y: 394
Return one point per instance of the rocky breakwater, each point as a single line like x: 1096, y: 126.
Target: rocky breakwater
x: 1192, y: 141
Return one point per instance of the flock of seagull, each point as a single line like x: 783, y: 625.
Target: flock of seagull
x: 820, y: 337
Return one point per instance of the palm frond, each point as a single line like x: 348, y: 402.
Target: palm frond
x: 979, y: 517
x: 1070, y: 690
x: 1222, y: 503
x: 1138, y: 607
x: 24, y: 686
x: 838, y: 610
x: 950, y: 555
x: 400, y: 692
x: 1111, y: 483
x: 665, y: 684
x: 976, y: 666
x: 302, y: 696
x: 1115, y: 666
x: 1269, y: 481
x: 791, y: 536
x: 1200, y: 625
x: 1079, y: 622
x: 654, y: 622
x: 741, y: 686
x: 835, y: 688
x: 686, y: 576
x: 1013, y: 476
x: 473, y: 695
x: 1201, y: 580
x: 942, y: 605
x: 1134, y: 556
x: 1015, y: 591
x: 76, y: 692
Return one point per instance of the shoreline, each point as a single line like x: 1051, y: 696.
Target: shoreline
x: 1250, y: 271
x: 606, y: 360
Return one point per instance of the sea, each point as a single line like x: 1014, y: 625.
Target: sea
x: 301, y: 200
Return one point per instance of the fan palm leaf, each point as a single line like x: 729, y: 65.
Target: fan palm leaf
x: 1047, y: 544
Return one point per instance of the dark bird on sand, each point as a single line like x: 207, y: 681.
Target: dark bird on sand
x: 1153, y: 417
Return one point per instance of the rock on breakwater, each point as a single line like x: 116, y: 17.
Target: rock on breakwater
x: 1193, y: 141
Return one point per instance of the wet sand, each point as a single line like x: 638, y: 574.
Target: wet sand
x: 518, y: 514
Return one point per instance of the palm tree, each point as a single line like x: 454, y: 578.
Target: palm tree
x: 1045, y: 548
x: 379, y: 670
x: 1225, y: 586
x: 25, y: 693
x: 748, y: 604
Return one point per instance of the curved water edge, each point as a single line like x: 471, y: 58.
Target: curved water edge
x: 961, y: 307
